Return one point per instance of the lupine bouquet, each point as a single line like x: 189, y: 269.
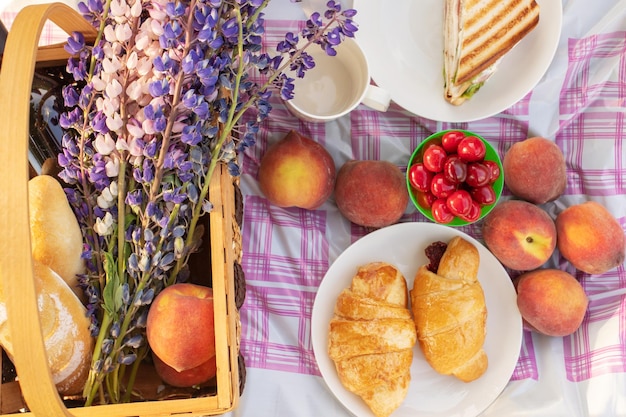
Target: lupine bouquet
x: 155, y: 104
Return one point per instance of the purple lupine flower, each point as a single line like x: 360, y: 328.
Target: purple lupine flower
x: 191, y: 135
x: 151, y: 149
x: 179, y: 130
x: 230, y: 29
x: 99, y: 123
x: 334, y: 36
x: 288, y: 44
x: 159, y: 88
x: 172, y: 32
x: 134, y: 198
x: 70, y: 95
x: 349, y: 13
x: 163, y: 63
x: 147, y: 171
x: 175, y: 9
x: 75, y: 43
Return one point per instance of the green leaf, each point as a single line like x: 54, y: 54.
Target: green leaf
x: 117, y: 299
x: 472, y: 89
x: 111, y: 288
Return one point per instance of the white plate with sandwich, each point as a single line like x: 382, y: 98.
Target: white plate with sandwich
x: 430, y: 394
x: 404, y: 42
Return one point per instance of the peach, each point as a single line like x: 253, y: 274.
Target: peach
x: 551, y: 301
x: 520, y: 234
x: 180, y: 326
x: 371, y: 193
x: 590, y: 238
x: 297, y: 172
x: 187, y: 378
x: 534, y: 170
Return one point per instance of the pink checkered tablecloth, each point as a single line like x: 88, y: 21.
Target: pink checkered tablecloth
x: 580, y: 104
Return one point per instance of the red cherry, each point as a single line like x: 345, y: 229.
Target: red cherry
x: 433, y: 159
x: 459, y: 202
x: 473, y: 214
x: 441, y: 212
x: 455, y: 169
x: 477, y: 174
x: 425, y: 200
x: 483, y: 195
x: 450, y: 140
x: 472, y: 149
x: 441, y: 187
x: 419, y: 177
x: 494, y: 170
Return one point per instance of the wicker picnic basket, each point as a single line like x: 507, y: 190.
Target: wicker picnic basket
x: 34, y: 390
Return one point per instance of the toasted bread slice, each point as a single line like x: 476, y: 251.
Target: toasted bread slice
x: 477, y: 34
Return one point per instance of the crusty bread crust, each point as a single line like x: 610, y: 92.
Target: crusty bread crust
x: 56, y: 238
x: 65, y: 330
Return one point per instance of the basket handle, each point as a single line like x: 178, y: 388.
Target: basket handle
x: 16, y: 273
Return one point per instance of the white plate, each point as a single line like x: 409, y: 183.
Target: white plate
x: 403, y: 41
x: 430, y: 394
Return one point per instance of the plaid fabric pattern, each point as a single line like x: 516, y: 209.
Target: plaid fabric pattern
x: 287, y: 251
x: 50, y: 34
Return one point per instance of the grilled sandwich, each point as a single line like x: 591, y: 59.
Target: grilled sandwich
x: 477, y: 34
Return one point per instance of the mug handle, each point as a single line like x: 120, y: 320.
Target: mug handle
x: 377, y: 98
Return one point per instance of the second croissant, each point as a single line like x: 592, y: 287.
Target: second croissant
x: 449, y: 309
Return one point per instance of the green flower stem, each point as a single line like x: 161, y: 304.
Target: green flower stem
x: 256, y: 14
x: 95, y: 378
x: 121, y: 217
x: 224, y: 134
x: 110, y: 385
x: 143, y: 351
x: 113, y: 378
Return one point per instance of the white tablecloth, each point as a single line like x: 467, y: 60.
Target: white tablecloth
x: 579, y: 103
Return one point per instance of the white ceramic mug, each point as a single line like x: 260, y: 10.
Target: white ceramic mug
x: 336, y: 85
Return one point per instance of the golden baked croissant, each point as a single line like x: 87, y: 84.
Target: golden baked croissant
x: 372, y: 336
x: 450, y: 312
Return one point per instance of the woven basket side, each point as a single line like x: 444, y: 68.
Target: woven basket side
x: 16, y: 275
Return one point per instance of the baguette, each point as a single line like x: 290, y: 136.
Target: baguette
x: 450, y: 313
x: 371, y: 337
x: 56, y: 239
x: 65, y: 330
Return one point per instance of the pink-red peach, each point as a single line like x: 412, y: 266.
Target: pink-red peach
x: 187, y: 378
x: 371, y: 193
x: 590, y: 238
x: 297, y: 172
x: 551, y: 301
x: 534, y: 170
x: 180, y: 326
x: 520, y: 234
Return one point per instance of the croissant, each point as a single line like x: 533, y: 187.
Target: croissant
x: 371, y: 337
x: 450, y: 312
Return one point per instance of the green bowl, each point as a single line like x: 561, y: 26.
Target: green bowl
x: 491, y: 155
